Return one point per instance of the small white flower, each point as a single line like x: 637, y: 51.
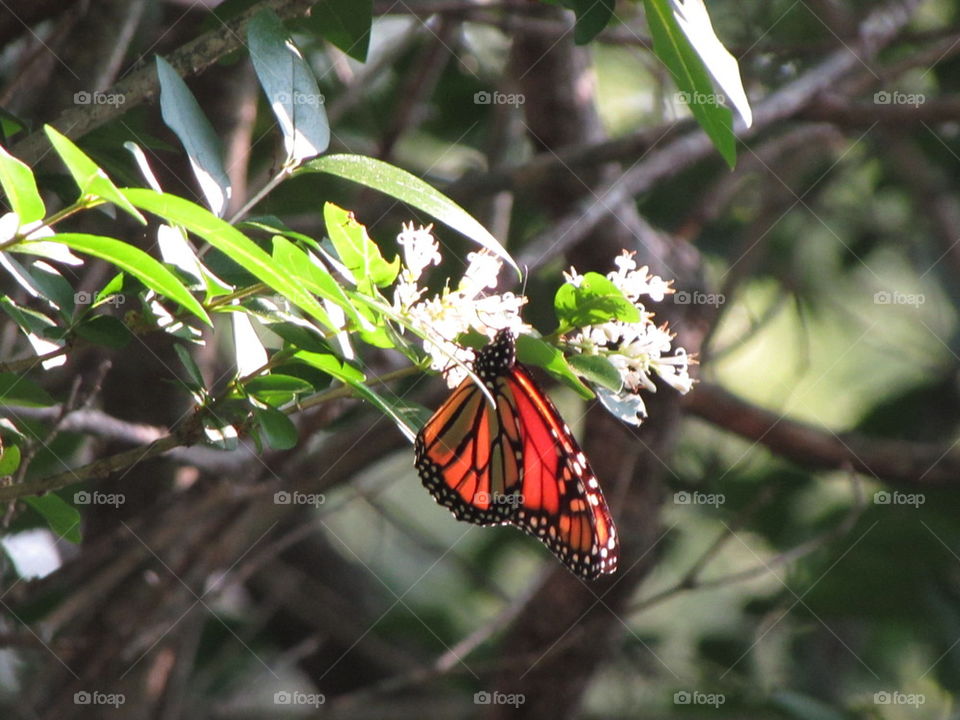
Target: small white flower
x: 420, y: 250
x: 639, y: 349
x: 635, y: 283
x: 444, y: 317
x: 573, y: 277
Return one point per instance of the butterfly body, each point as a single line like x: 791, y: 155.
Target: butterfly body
x: 515, y: 462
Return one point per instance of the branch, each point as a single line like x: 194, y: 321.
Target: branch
x: 692, y: 580
x: 876, y: 31
x: 187, y: 434
x: 897, y: 462
x: 142, y: 84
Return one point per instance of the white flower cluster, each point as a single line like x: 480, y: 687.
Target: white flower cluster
x: 634, y: 349
x: 442, y: 318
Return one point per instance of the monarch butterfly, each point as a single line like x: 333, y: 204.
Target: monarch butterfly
x: 516, y: 464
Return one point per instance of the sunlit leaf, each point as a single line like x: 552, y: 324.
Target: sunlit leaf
x: 675, y: 51
x: 597, y: 300
x: 290, y: 87
x: 137, y: 263
x: 357, y: 251
x: 410, y: 189
x: 228, y: 240
x: 19, y: 186
x: 182, y: 113
x: 533, y: 351
x: 90, y: 178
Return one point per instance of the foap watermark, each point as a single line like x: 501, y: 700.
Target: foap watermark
x: 685, y: 497
x: 86, y: 298
x: 498, y: 499
x: 95, y: 697
x: 885, y: 697
x: 695, y: 697
x: 885, y: 497
x: 886, y: 297
x: 498, y: 698
x: 300, y: 98
x: 286, y: 697
x: 85, y: 497
x: 282, y: 497
x: 683, y: 297
x: 699, y: 98
x: 885, y: 97
x: 98, y: 98
x: 483, y: 97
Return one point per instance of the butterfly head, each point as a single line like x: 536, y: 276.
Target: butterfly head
x: 497, y: 357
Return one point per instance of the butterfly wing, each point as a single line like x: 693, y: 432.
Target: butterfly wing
x: 516, y: 462
x: 459, y: 453
x: 561, y: 501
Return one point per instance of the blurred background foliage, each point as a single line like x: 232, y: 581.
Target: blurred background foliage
x: 834, y: 251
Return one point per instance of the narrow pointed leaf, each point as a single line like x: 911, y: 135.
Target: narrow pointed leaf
x: 290, y: 86
x: 137, y: 263
x: 408, y: 188
x: 90, y: 178
x: 183, y: 115
x: 675, y: 51
x: 19, y: 186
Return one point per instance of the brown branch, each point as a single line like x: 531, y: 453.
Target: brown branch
x: 142, y: 84
x: 101, y: 468
x: 897, y: 462
x: 877, y: 30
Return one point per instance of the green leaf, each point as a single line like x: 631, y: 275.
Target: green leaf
x: 410, y: 189
x: 357, y: 251
x: 345, y: 23
x: 183, y: 115
x: 9, y: 460
x: 104, y: 330
x: 278, y: 430
x: 87, y: 174
x: 694, y: 21
x: 61, y: 517
x: 318, y: 380
x: 137, y: 263
x: 290, y: 86
x: 41, y: 281
x: 332, y: 365
x: 190, y: 365
x: 277, y: 390
x: 54, y: 286
x: 29, y: 320
x: 404, y: 415
x: 19, y: 185
x: 597, y: 369
x: 274, y: 226
x: 300, y: 337
x: 534, y: 351
x: 674, y: 50
x: 20, y: 390
x: 596, y: 301
x: 592, y: 17
x: 10, y: 124
x: 230, y: 241
x: 313, y: 277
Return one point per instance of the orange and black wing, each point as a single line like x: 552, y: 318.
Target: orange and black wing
x: 516, y: 463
